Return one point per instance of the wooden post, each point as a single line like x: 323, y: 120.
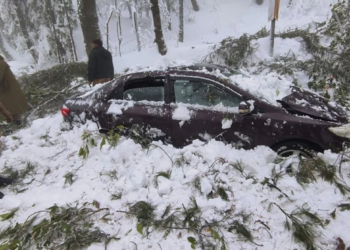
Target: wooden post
x: 272, y: 36
x: 273, y: 16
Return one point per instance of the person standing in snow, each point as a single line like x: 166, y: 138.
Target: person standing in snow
x: 100, y: 66
x: 11, y: 95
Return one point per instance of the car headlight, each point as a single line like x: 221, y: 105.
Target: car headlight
x: 342, y: 131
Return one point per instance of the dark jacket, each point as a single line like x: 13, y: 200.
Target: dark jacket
x: 100, y: 64
x: 11, y: 95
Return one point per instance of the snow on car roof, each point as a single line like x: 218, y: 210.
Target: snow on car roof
x: 270, y: 87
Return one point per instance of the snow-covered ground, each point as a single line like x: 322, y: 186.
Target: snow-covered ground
x: 129, y: 171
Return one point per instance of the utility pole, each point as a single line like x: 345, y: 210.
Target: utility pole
x: 273, y: 16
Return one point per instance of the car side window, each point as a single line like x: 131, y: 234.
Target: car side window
x: 205, y: 94
x: 144, y: 91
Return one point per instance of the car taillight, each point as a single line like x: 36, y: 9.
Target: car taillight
x: 64, y: 111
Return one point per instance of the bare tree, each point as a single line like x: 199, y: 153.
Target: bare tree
x: 168, y: 6
x: 89, y: 22
x: 22, y: 17
x: 107, y: 28
x: 128, y: 4
x: 60, y: 51
x: 119, y: 27
x: 119, y: 34
x: 70, y: 30
x: 158, y: 28
x: 181, y: 21
x: 195, y: 5
x: 137, y: 33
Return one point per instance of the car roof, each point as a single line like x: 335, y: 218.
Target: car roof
x: 197, y: 69
x: 208, y: 66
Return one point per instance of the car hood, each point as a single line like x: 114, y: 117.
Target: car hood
x: 304, y: 102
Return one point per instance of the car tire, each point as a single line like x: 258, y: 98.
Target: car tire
x: 297, y: 148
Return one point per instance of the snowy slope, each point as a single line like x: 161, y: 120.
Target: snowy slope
x: 54, y: 153
x: 217, y: 20
x: 129, y: 171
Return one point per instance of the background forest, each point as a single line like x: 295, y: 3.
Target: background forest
x: 50, y: 31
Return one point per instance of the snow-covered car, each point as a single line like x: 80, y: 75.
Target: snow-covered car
x: 201, y: 101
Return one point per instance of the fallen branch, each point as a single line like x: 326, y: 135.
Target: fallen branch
x: 273, y: 186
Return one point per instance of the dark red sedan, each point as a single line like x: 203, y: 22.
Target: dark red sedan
x: 186, y: 103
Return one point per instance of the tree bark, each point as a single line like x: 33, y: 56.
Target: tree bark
x: 158, y: 28
x: 168, y: 6
x: 195, y: 5
x: 23, y: 26
x: 89, y: 23
x: 181, y: 21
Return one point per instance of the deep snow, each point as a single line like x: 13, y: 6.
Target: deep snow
x: 49, y: 147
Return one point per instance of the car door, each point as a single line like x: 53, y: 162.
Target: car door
x: 205, y: 109
x: 141, y: 102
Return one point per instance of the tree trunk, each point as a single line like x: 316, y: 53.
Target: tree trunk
x: 168, y: 6
x: 107, y: 28
x: 147, y: 10
x: 195, y: 5
x: 119, y: 28
x: 52, y: 18
x: 137, y: 33
x: 128, y: 4
x: 3, y: 42
x: 158, y: 28
x: 70, y: 31
x: 119, y: 34
x: 23, y: 26
x: 181, y: 21
x: 89, y: 23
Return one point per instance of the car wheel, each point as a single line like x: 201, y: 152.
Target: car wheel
x: 294, y: 152
x: 295, y: 148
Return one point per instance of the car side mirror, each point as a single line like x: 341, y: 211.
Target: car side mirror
x: 245, y: 108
